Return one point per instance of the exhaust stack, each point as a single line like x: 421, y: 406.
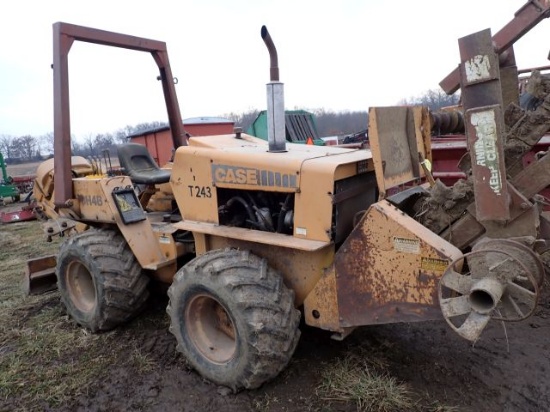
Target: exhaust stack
x: 276, y: 129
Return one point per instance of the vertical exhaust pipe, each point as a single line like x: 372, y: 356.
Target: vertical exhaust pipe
x: 276, y: 129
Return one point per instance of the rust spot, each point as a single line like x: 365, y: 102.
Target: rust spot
x: 377, y: 283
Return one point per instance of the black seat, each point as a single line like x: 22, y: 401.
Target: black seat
x: 138, y: 164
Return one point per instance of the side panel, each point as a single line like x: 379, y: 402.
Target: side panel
x: 313, y: 210
x: 399, y: 139
x: 387, y: 271
x: 320, y: 191
x: 321, y: 305
x: 97, y: 205
x: 193, y: 186
x: 92, y: 202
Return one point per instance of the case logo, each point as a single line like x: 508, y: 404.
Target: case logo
x: 252, y: 177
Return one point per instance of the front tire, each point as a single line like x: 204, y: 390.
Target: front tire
x: 233, y: 318
x: 100, y: 281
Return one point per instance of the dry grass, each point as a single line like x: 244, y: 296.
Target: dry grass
x: 355, y: 378
x: 361, y: 377
x: 24, y: 169
x: 266, y: 403
x: 45, y: 359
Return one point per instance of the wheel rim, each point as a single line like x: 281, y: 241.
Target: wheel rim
x: 80, y: 286
x: 211, y: 329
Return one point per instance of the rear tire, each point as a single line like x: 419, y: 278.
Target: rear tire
x: 233, y: 318
x: 101, y: 282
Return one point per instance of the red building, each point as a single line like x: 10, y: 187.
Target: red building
x: 159, y: 141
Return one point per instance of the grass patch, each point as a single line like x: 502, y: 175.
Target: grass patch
x: 45, y: 359
x: 355, y: 378
x: 142, y: 361
x: 18, y: 243
x: 34, y: 338
x: 361, y: 377
x: 265, y: 403
x: 437, y: 407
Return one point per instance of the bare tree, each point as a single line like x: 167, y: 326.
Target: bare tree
x: 24, y: 147
x: 45, y: 143
x: 103, y: 141
x: 5, y: 145
x: 88, y: 145
x: 78, y: 148
x: 331, y: 123
x: 434, y: 99
x: 243, y: 120
x: 121, y: 135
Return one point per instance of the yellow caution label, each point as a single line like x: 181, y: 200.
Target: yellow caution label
x: 437, y: 265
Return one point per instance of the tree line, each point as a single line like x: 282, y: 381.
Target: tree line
x: 342, y: 123
x: 328, y: 123
x: 434, y: 100
x: 35, y: 148
x: 19, y: 149
x: 22, y: 149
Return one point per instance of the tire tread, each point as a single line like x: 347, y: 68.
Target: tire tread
x: 262, y: 299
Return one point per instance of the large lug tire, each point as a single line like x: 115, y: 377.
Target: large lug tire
x: 233, y: 318
x: 100, y: 281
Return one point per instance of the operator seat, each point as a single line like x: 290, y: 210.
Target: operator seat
x: 138, y: 164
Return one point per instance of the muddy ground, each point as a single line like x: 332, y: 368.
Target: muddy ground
x: 506, y: 370
x: 497, y: 374
x: 440, y: 368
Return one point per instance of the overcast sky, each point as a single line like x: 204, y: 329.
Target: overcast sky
x: 337, y: 55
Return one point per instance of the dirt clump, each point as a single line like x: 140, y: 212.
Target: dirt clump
x: 444, y: 204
